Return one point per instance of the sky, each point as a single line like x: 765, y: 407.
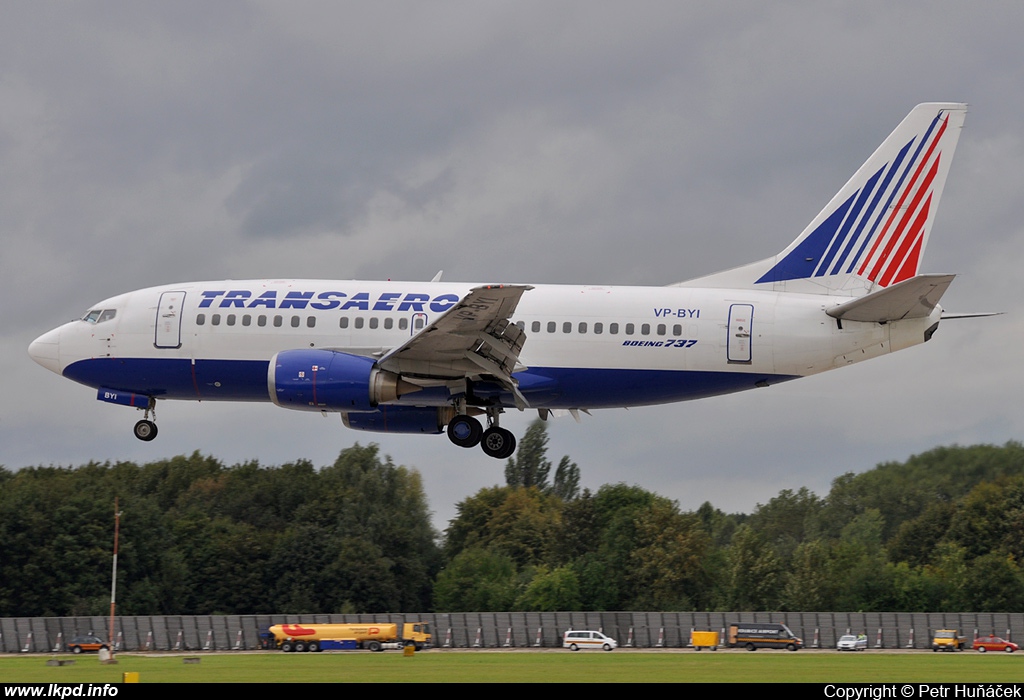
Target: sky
x: 537, y: 142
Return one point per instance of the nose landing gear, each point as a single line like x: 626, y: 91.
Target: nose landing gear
x: 145, y: 429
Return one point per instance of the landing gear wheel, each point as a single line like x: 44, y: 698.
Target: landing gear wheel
x: 465, y: 431
x: 498, y: 443
x: 145, y: 430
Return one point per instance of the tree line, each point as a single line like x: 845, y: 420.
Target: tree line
x: 943, y: 531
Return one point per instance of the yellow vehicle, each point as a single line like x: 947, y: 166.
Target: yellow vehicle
x: 947, y: 640
x: 701, y: 639
x: 375, y: 637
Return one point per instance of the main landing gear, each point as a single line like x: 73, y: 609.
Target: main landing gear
x: 145, y: 429
x: 466, y: 431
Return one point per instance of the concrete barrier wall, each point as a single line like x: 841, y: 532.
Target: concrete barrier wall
x: 499, y: 629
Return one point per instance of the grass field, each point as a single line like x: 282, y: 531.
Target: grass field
x: 514, y: 666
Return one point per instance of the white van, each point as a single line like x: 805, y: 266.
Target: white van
x: 587, y: 639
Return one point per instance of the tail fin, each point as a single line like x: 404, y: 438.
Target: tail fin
x: 874, y: 231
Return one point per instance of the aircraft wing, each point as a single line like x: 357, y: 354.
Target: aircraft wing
x: 912, y: 298
x: 475, y: 337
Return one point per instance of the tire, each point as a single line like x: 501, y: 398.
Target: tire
x: 982, y: 650
x: 573, y: 647
x: 374, y: 646
x: 714, y: 648
x: 1008, y: 650
x: 607, y: 647
x: 287, y: 646
x: 498, y: 443
x: 313, y: 646
x: 145, y: 430
x: 301, y: 646
x: 465, y: 431
x: 750, y: 647
x: 76, y: 650
x: 791, y: 647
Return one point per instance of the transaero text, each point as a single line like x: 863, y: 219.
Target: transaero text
x: 325, y: 301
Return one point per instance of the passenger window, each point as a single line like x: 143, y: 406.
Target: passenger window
x: 630, y: 329
x: 613, y: 328
x: 215, y: 320
x: 645, y: 329
x: 310, y: 321
x: 419, y: 323
x: 677, y: 329
x: 200, y: 319
x: 230, y: 319
x: 598, y: 328
x: 521, y: 324
x: 247, y: 320
x: 551, y: 326
x: 535, y: 327
x: 296, y: 321
x: 374, y: 322
x: 344, y: 321
x: 359, y: 322
x: 261, y: 321
x: 567, y: 326
x: 661, y: 329
x: 583, y: 327
x: 389, y: 323
x: 403, y: 324
x: 278, y: 321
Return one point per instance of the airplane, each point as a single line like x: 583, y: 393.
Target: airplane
x: 435, y: 357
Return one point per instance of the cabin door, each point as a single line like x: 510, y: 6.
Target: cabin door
x: 168, y: 320
x: 741, y: 318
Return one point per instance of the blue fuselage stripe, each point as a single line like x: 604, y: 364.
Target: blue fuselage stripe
x: 544, y: 387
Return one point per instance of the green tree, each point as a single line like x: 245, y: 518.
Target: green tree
x: 550, y: 590
x: 476, y: 580
x: 530, y: 465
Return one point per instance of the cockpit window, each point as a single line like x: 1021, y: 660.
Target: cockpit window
x: 99, y: 315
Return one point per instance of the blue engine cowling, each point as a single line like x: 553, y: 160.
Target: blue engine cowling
x: 400, y: 419
x: 326, y: 380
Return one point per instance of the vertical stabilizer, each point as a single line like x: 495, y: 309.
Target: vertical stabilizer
x: 873, y: 232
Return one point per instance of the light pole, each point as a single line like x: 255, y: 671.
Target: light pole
x: 113, y: 579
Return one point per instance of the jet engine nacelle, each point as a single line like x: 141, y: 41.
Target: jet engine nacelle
x: 327, y: 380
x: 401, y: 419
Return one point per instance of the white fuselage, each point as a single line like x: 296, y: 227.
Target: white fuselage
x: 586, y: 346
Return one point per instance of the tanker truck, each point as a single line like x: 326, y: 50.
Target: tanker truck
x: 375, y: 637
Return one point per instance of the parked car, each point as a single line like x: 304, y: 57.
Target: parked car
x: 994, y: 643
x: 852, y: 642
x: 86, y: 642
x: 587, y: 639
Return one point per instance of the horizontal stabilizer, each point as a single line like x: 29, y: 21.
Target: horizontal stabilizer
x: 912, y: 298
x: 971, y: 314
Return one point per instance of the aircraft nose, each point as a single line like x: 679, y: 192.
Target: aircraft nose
x: 45, y: 350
